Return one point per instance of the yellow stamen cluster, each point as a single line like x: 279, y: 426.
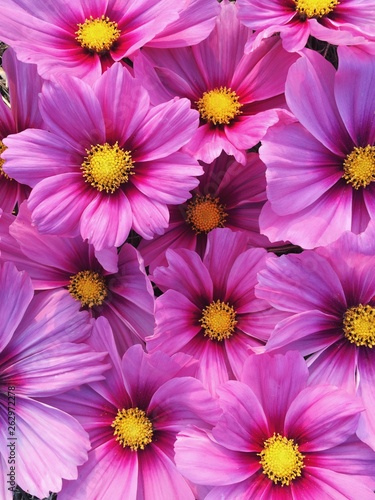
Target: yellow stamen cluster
x: 107, y: 166
x: 2, y: 173
x: 133, y: 429
x: 219, y: 106
x: 315, y: 8
x: 97, y: 35
x: 359, y: 167
x: 359, y: 325
x: 281, y: 460
x: 88, y: 287
x: 205, y: 213
x: 218, y: 320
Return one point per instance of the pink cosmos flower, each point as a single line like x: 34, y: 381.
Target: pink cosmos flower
x: 329, y: 295
x: 344, y: 22
x: 132, y: 419
x: 83, y: 37
x: 235, y: 94
x: 24, y: 85
x: 109, y: 161
x: 43, y: 352
x: 111, y: 284
x: 278, y: 439
x: 229, y: 195
x: 208, y: 308
x: 320, y: 171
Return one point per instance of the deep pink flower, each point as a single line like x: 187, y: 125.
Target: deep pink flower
x: 236, y: 94
x: 329, y: 295
x: 82, y: 37
x: 344, y: 22
x: 321, y: 171
x: 132, y: 419
x: 43, y: 352
x: 24, y: 85
x: 109, y: 161
x: 208, y: 308
x: 111, y: 284
x: 229, y: 195
x: 278, y: 439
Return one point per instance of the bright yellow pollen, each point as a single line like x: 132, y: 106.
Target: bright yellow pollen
x: 97, y: 35
x: 106, y: 167
x: 205, y: 213
x: 219, y: 106
x: 281, y: 460
x: 2, y: 173
x: 89, y: 287
x: 218, y: 320
x: 315, y: 8
x: 359, y: 167
x: 133, y: 428
x: 359, y: 325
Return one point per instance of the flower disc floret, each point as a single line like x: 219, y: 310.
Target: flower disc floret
x: 2, y: 173
x: 132, y: 428
x: 281, y: 460
x: 359, y: 167
x: 315, y: 8
x: 88, y: 287
x: 97, y: 35
x: 107, y: 166
x: 205, y: 213
x: 219, y: 106
x: 218, y: 320
x: 359, y: 325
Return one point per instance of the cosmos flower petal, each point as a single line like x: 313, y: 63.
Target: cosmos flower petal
x: 106, y: 221
x: 356, y: 112
x: 309, y: 94
x: 57, y: 203
x: 16, y: 292
x: 98, y: 477
x: 325, y: 408
x: 223, y: 467
x: 61, y: 445
x: 366, y: 368
x: 27, y: 162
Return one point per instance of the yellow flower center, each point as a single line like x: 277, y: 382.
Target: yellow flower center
x: 281, y: 460
x: 218, y: 320
x: 97, y: 35
x: 2, y: 173
x: 359, y: 325
x: 219, y: 106
x: 88, y: 287
x: 315, y: 8
x: 106, y: 167
x: 359, y: 167
x: 205, y: 213
x: 133, y: 429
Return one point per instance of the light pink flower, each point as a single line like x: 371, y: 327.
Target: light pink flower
x: 109, y: 161
x: 344, y: 22
x: 279, y: 439
x: 43, y: 352
x: 83, y: 37
x: 237, y: 95
x: 321, y: 171
x: 24, y: 85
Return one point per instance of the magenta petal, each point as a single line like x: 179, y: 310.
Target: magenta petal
x: 366, y: 368
x: 106, y: 221
x: 321, y: 417
x: 53, y: 441
x: 16, y: 292
x: 202, y: 460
